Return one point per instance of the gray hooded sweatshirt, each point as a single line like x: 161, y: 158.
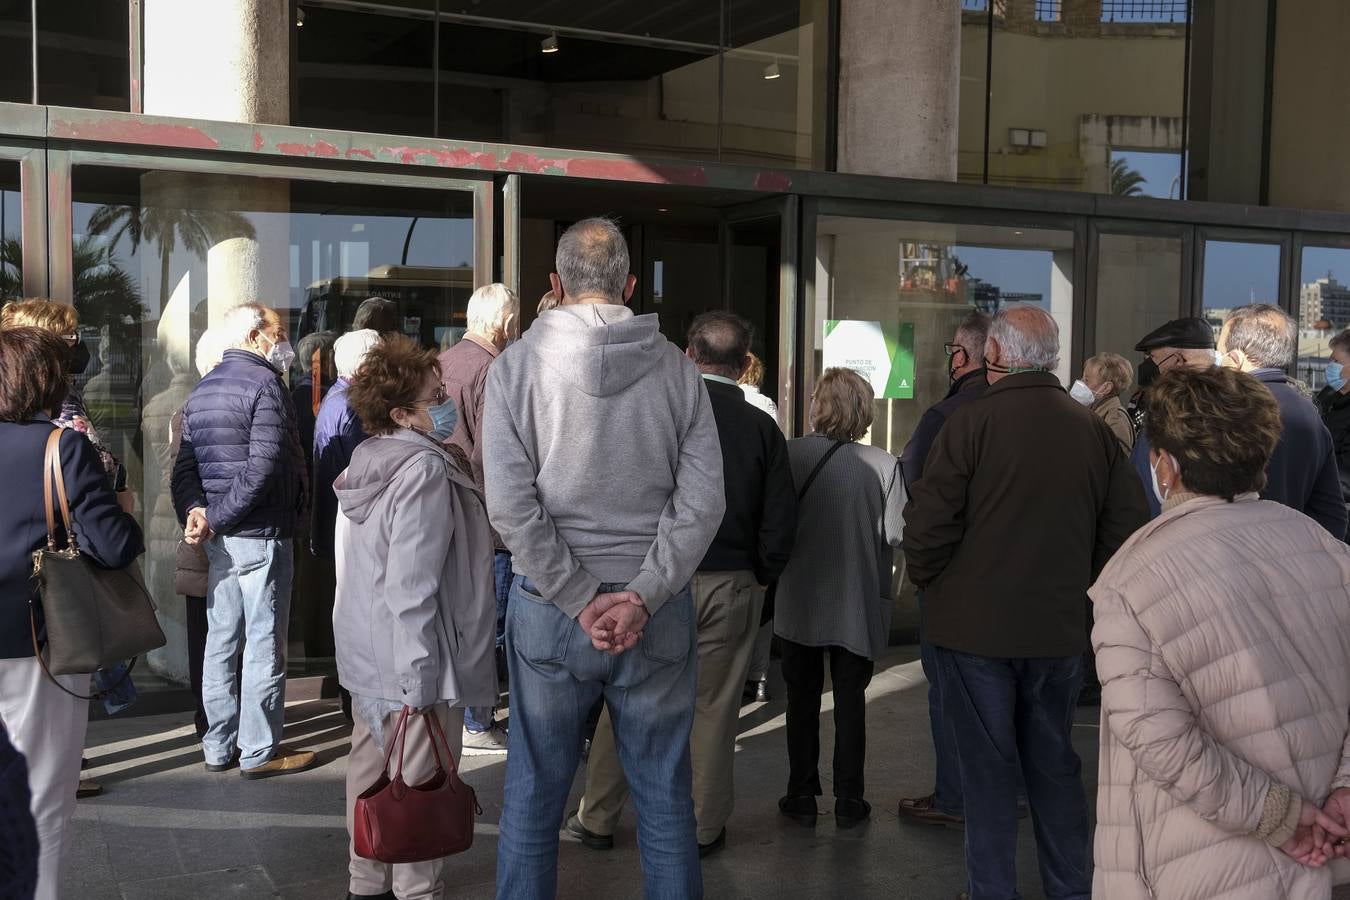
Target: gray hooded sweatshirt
x: 414, y: 619
x: 601, y: 457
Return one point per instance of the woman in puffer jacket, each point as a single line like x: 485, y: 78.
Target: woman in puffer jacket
x: 1223, y: 647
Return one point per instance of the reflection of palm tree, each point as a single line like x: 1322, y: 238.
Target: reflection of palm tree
x: 105, y: 293
x: 1125, y: 182
x: 165, y: 227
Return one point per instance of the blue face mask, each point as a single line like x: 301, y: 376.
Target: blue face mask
x: 444, y: 418
x: 1335, y: 375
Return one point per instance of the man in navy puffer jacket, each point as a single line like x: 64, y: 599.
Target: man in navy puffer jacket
x: 239, y: 484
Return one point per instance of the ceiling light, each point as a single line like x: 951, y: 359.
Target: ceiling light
x: 549, y: 44
x: 771, y: 71
x: 299, y: 18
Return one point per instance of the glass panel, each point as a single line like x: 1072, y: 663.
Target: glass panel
x: 1073, y: 90
x: 774, y: 83
x: 16, y: 51
x: 909, y: 284
x: 159, y: 255
x: 1138, y: 289
x: 1323, y: 309
x: 1238, y: 273
x: 974, y: 71
x: 753, y: 280
x: 11, y: 233
x: 84, y: 56
x: 364, y: 72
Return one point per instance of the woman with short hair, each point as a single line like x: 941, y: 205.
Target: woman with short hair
x: 834, y: 598
x: 1107, y: 378
x: 45, y: 721
x: 1223, y: 646
x: 415, y: 613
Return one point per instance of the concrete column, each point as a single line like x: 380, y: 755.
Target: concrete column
x: 222, y: 60
x: 899, y: 87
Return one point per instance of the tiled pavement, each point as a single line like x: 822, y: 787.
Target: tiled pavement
x: 165, y: 829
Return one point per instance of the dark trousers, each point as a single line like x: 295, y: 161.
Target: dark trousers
x: 804, y: 674
x: 196, y: 641
x: 947, y: 783
x: 1009, y: 715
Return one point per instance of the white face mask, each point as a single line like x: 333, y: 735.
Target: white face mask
x: 1082, y: 393
x: 1162, y: 493
x: 280, y: 356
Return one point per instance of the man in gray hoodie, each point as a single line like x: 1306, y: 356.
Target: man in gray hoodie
x: 604, y: 480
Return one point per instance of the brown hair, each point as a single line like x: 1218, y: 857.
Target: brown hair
x: 1219, y: 424
x: 547, y: 302
x: 842, y: 405
x: 754, y: 373
x: 37, y: 312
x: 1113, y: 369
x: 388, y: 378
x: 32, y: 373
x: 1340, y: 342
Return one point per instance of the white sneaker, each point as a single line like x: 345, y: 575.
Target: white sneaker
x: 483, y: 743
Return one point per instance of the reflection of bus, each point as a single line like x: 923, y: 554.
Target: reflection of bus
x: 432, y: 301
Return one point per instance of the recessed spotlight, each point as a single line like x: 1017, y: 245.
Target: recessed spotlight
x: 662, y: 209
x: 299, y: 18
x: 771, y: 71
x: 549, y: 44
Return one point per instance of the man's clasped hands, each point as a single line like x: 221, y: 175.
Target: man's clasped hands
x: 1322, y: 833
x: 614, y: 621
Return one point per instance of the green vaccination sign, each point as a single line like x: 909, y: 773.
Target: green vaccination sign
x: 883, y: 354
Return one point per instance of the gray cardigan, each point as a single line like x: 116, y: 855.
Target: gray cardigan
x: 836, y: 590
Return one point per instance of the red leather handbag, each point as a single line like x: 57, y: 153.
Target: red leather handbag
x: 398, y: 823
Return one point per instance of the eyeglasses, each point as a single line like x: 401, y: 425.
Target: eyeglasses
x: 436, y: 399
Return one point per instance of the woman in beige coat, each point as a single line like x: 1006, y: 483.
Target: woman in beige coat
x: 1223, y: 646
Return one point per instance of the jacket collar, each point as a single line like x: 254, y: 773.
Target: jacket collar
x: 249, y: 357
x: 977, y: 378
x: 1025, y: 380
x: 1192, y: 503
x: 483, y: 342
x: 421, y: 441
x: 1270, y: 376
x: 1112, y: 402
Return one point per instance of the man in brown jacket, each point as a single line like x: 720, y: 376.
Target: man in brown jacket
x: 493, y: 319
x: 1024, y: 497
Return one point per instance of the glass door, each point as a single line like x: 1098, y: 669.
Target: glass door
x: 760, y: 283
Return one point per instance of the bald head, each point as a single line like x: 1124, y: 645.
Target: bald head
x: 592, y: 264
x: 719, y: 344
x: 1021, y: 337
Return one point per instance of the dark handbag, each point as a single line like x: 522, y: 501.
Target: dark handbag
x: 397, y: 823
x: 771, y: 592
x: 94, y: 617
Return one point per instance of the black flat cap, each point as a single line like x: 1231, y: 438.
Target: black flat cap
x: 1184, y: 334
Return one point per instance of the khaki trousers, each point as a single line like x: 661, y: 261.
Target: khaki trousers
x: 727, y: 606
x: 409, y: 881
x: 47, y: 726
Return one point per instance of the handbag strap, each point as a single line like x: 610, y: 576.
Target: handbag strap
x: 810, y: 479
x: 398, y: 730
x: 52, y: 474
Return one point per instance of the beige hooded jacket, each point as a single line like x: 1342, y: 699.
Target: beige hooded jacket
x: 1223, y: 646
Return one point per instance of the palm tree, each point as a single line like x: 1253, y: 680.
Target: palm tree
x: 165, y: 227
x: 1125, y: 182
x: 105, y: 294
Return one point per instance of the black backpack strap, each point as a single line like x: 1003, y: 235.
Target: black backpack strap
x: 810, y: 479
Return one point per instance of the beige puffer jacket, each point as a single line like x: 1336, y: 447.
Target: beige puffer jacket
x: 1223, y: 646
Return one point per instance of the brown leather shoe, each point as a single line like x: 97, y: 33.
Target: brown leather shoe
x: 925, y: 811
x: 285, y: 761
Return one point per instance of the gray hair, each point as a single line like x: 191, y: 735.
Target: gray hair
x: 351, y: 349
x: 592, y: 260
x: 1267, y: 334
x: 210, y: 348
x: 239, y: 322
x: 1028, y: 336
x: 489, y: 306
x: 972, y: 333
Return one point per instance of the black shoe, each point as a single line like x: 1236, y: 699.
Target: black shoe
x: 755, y: 692
x: 801, y: 810
x: 851, y: 811
x: 226, y: 766
x: 717, y: 844
x: 387, y: 895
x: 586, y: 836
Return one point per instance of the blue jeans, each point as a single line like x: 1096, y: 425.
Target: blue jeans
x: 248, y: 599
x: 1006, y: 715
x: 947, y: 786
x: 556, y: 677
x: 478, y: 718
